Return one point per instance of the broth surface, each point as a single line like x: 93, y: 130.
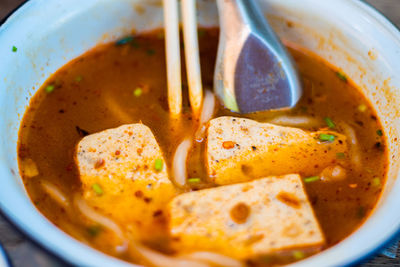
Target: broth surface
x: 96, y: 92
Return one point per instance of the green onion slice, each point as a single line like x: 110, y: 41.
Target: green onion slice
x: 340, y: 155
x: 78, y: 78
x: 361, y: 212
x: 94, y: 230
x: 362, y: 108
x: 326, y: 137
x: 298, y: 255
x: 150, y: 52
x: 14, y: 49
x: 138, y: 92
x: 311, y: 179
x: 341, y: 76
x: 97, y: 189
x: 124, y: 40
x: 50, y: 88
x: 376, y: 182
x: 330, y: 123
x: 201, y: 32
x: 194, y: 180
x: 158, y: 165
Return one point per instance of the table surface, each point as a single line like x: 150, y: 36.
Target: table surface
x: 24, y: 253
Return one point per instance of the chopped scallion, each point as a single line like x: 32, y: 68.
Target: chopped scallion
x: 266, y: 259
x: 78, y: 78
x: 341, y: 76
x: 304, y: 109
x: 150, y: 52
x: 330, y: 123
x: 135, y: 44
x: 160, y: 35
x: 194, y: 180
x: 298, y: 255
x: 201, y: 33
x: 138, y: 92
x: 158, y: 165
x: 14, y: 49
x: 362, y: 108
x: 50, y: 88
x: 326, y: 137
x: 361, y: 212
x: 378, y: 145
x: 124, y: 40
x: 311, y: 179
x: 97, y: 189
x: 94, y: 230
x: 379, y: 132
x: 376, y: 182
x: 340, y: 155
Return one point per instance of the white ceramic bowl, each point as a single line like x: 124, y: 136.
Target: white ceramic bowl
x: 348, y: 33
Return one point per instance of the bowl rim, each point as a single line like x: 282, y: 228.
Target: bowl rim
x: 16, y: 225
x: 4, y: 258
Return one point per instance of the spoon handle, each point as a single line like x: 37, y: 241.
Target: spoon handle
x: 245, y: 17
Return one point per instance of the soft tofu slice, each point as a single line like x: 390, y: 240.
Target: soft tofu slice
x: 240, y: 150
x: 246, y: 220
x: 122, y: 162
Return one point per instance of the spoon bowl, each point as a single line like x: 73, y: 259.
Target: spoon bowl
x: 254, y: 71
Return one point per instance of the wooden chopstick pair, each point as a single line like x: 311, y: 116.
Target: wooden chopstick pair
x: 171, y: 26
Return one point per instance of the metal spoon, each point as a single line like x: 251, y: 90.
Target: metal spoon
x: 254, y: 71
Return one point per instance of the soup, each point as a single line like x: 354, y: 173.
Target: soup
x: 132, y: 203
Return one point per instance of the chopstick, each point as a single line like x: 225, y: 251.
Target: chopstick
x: 173, y: 56
x: 192, y: 54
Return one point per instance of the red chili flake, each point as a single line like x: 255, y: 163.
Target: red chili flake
x: 117, y: 153
x: 139, y: 194
x: 228, y: 144
x: 23, y: 151
x: 147, y: 199
x: 70, y: 167
x: 99, y: 163
x: 157, y: 213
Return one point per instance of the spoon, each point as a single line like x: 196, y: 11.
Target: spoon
x: 254, y: 72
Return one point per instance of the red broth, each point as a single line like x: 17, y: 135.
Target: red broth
x: 96, y: 92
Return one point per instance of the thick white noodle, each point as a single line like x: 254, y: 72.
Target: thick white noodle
x: 94, y: 216
x: 208, y: 109
x: 333, y: 173
x: 55, y: 193
x: 192, y: 56
x: 207, y: 113
x: 295, y: 121
x: 355, y: 153
x: 179, y: 162
x: 173, y: 54
x: 213, y: 258
x: 161, y: 260
x: 116, y: 110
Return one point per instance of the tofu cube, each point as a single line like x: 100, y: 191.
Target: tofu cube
x: 245, y: 220
x: 240, y: 150
x: 119, y: 177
